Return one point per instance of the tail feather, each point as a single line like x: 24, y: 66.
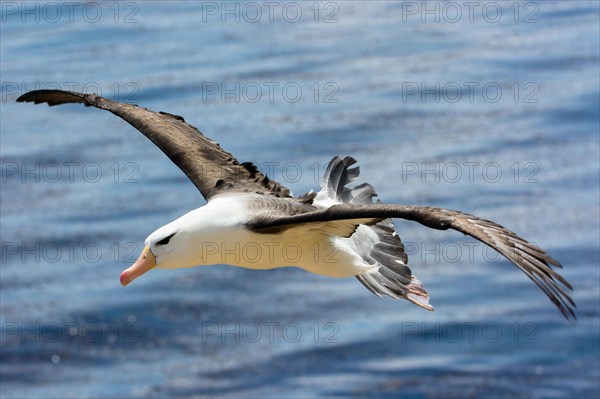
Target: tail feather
x: 418, y: 295
x: 393, y: 277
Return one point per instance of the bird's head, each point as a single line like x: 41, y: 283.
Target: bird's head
x: 169, y: 247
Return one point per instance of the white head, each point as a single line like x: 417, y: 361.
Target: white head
x: 175, y: 245
x: 190, y: 240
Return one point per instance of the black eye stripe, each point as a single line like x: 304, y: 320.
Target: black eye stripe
x: 165, y: 240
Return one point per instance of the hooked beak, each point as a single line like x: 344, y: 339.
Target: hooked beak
x: 145, y: 262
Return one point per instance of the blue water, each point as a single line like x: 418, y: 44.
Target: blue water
x: 497, y: 115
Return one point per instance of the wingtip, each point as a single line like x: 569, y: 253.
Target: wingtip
x: 570, y: 316
x: 57, y: 97
x: 23, y: 98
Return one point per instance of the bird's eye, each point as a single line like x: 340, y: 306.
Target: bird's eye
x: 165, y: 240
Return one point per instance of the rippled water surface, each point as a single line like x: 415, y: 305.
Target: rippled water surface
x: 490, y: 111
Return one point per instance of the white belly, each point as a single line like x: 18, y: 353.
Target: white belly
x: 221, y: 238
x: 328, y: 256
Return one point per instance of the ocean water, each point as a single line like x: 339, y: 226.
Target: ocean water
x: 491, y: 108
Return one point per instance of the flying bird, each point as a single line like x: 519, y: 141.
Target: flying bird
x: 340, y: 231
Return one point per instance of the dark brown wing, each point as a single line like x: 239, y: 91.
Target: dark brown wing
x: 532, y: 260
x: 212, y: 169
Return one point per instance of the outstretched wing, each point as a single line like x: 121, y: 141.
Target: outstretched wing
x: 212, y: 169
x: 532, y: 260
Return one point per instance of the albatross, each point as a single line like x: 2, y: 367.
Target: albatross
x: 340, y: 231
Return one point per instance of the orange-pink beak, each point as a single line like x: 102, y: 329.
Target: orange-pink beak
x: 146, y: 262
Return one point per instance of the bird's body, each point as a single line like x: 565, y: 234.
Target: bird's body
x: 253, y: 222
x: 221, y: 237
